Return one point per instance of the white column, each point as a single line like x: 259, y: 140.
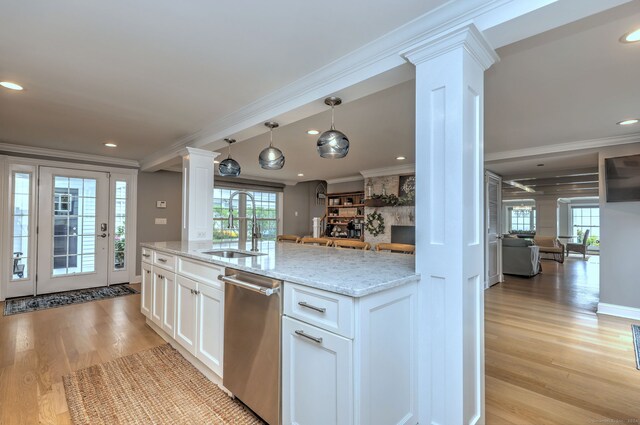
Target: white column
x: 547, y: 216
x: 449, y: 223
x: 197, y: 194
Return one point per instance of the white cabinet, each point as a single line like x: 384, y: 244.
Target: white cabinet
x: 317, y: 376
x: 349, y: 360
x: 186, y: 313
x: 169, y: 303
x: 146, y: 289
x: 210, y: 327
x: 157, y: 296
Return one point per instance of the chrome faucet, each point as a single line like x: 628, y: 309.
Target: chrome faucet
x: 255, y: 228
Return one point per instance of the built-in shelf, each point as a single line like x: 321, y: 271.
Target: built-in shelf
x: 344, y: 208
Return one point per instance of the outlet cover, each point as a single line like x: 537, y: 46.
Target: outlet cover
x: 161, y: 220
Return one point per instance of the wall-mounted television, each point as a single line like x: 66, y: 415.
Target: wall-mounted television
x: 622, y: 178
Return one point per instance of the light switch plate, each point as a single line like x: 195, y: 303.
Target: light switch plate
x: 161, y: 204
x: 161, y: 220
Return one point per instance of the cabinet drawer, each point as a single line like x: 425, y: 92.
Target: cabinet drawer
x: 147, y: 255
x: 324, y: 309
x: 166, y: 261
x: 201, y: 272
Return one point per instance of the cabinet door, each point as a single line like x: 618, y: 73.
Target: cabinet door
x: 317, y: 376
x: 210, y: 327
x: 186, y: 313
x: 147, y: 291
x: 157, y: 297
x: 169, y: 304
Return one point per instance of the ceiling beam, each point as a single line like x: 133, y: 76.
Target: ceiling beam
x: 368, y: 63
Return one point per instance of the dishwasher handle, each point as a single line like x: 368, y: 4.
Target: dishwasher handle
x: 233, y: 280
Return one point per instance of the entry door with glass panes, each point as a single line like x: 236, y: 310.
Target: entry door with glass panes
x: 73, y: 241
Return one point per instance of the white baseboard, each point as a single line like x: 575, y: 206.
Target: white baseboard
x: 619, y: 311
x: 137, y: 279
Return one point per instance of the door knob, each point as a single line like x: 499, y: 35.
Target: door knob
x: 104, y: 235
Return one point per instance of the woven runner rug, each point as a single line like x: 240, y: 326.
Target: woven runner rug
x: 60, y: 299
x: 156, y: 386
x: 636, y: 343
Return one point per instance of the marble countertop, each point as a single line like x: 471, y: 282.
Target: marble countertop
x: 343, y: 271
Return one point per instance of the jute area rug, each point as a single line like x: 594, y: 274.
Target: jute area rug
x: 156, y: 386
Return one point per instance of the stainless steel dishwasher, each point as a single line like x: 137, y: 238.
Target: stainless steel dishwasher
x: 252, y: 328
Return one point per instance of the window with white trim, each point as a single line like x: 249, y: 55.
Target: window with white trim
x: 266, y: 214
x: 21, y: 229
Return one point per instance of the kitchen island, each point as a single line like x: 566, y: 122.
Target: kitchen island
x: 348, y: 323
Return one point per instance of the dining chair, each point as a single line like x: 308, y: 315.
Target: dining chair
x: 396, y: 247
x: 350, y: 244
x: 288, y: 238
x: 579, y: 247
x: 307, y: 240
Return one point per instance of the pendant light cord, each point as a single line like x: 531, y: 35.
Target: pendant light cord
x: 333, y: 127
x: 271, y: 137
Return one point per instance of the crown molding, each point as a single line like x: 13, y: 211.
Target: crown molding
x: 466, y: 36
x: 563, y: 147
x: 345, y: 179
x: 389, y: 171
x: 66, y: 155
x: 379, y: 56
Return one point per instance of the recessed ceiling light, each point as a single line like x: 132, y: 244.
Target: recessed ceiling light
x: 401, y: 158
x: 313, y: 132
x: 300, y: 175
x: 215, y: 161
x: 631, y: 37
x: 10, y: 85
x: 628, y: 122
x: 111, y: 145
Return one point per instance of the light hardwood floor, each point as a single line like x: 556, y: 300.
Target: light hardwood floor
x: 37, y: 349
x: 549, y: 358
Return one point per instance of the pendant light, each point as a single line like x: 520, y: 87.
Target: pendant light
x: 271, y: 158
x: 229, y: 167
x: 333, y: 144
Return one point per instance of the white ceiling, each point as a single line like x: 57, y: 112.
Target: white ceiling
x: 380, y: 128
x: 569, y: 84
x: 190, y: 63
x: 146, y: 73
x: 551, y: 164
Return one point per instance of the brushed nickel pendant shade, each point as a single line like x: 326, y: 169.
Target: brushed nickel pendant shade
x: 229, y: 167
x: 271, y: 158
x: 333, y: 144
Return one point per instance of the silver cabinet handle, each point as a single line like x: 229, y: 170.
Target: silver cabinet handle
x: 312, y: 338
x: 250, y: 286
x: 312, y: 307
x: 146, y: 255
x: 162, y: 260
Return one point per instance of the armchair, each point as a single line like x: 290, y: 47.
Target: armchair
x: 550, y: 245
x: 520, y: 257
x: 580, y: 247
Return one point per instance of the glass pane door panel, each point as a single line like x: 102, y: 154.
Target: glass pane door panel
x: 74, y: 222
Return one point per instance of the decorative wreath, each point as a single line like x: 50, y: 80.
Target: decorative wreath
x: 375, y: 223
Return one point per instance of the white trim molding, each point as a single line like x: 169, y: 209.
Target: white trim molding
x: 377, y: 57
x: 579, y: 145
x: 345, y: 179
x: 619, y: 311
x: 389, y: 171
x: 66, y: 155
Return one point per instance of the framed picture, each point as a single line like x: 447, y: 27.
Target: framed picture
x: 407, y: 187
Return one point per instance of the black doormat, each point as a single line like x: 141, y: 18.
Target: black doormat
x: 636, y: 343
x: 60, y: 299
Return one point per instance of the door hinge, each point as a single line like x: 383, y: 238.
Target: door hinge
x: 36, y: 277
x: 37, y: 229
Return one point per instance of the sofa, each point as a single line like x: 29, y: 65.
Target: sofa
x: 550, y: 245
x: 520, y: 257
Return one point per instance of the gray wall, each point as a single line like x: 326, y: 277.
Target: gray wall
x: 301, y: 198
x: 620, y: 233
x: 152, y: 187
x: 346, y: 187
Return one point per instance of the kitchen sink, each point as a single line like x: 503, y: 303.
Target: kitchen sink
x: 231, y: 253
